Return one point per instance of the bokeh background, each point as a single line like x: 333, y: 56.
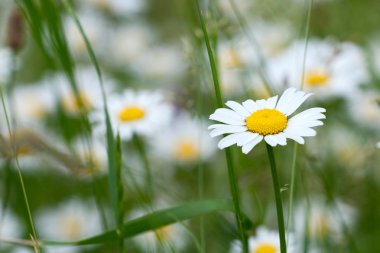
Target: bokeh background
x: 152, y: 52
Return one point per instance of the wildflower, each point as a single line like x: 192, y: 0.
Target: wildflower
x: 31, y: 103
x: 142, y: 112
x: 324, y: 219
x: 331, y: 69
x: 252, y: 121
x: 265, y: 241
x: 378, y: 144
x: 70, y: 221
x: 184, y: 142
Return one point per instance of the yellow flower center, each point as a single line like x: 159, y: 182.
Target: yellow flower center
x: 131, y: 113
x: 72, y: 227
x: 73, y: 103
x: 186, y: 151
x: 163, y: 234
x: 316, y: 78
x: 266, y: 122
x: 265, y: 248
x: 232, y: 59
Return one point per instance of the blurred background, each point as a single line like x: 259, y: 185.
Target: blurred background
x: 152, y: 56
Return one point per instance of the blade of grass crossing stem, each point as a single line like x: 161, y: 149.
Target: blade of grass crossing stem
x: 119, y: 189
x: 230, y: 166
x: 156, y: 220
x: 11, y: 82
x: 295, y: 149
x: 277, y: 194
x: 111, y: 146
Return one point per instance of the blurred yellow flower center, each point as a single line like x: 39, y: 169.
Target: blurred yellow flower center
x: 316, y: 78
x: 266, y: 122
x: 186, y: 151
x: 232, y: 59
x: 73, y: 103
x: 72, y: 227
x: 265, y: 248
x: 131, y: 113
x: 164, y: 233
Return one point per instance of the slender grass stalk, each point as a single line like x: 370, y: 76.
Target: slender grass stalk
x: 307, y: 32
x: 231, y: 171
x: 144, y: 158
x: 292, y: 183
x: 295, y: 149
x: 11, y: 82
x: 256, y: 47
x: 277, y: 194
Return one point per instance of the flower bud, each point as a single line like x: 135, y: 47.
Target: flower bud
x: 15, y: 30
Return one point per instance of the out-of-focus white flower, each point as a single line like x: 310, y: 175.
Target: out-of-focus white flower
x: 94, y: 157
x: 31, y: 103
x: 331, y: 69
x: 378, y: 144
x: 70, y: 221
x: 164, y: 62
x: 271, y: 37
x: 185, y: 141
x: 129, y: 42
x: 163, y: 239
x: 5, y: 65
x: 10, y: 227
x: 90, y: 94
x: 364, y: 108
x: 265, y: 241
x: 143, y: 112
x: 324, y: 219
x: 94, y: 28
x: 249, y: 123
x: 120, y: 7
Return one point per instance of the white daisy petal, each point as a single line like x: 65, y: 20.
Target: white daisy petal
x: 311, y: 123
x: 301, y: 131
x: 297, y: 102
x: 226, y: 119
x: 271, y: 102
x: 281, y: 138
x: 228, y: 141
x: 238, y: 108
x: 271, y: 140
x: 250, y: 145
x: 261, y: 104
x: 249, y: 136
x: 250, y: 105
x: 283, y: 102
x: 294, y: 137
x: 227, y: 129
x: 310, y: 112
x: 227, y: 113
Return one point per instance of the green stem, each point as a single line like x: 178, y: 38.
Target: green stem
x: 277, y: 193
x: 148, y: 173
x: 307, y: 31
x: 292, y: 183
x: 231, y: 172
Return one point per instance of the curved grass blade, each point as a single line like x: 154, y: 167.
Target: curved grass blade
x: 156, y: 220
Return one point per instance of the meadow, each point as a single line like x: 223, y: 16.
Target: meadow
x: 192, y: 126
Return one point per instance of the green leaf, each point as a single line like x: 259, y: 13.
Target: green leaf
x: 156, y: 220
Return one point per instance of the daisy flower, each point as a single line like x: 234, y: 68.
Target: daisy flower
x: 90, y: 94
x: 185, y: 142
x: 5, y: 64
x: 249, y: 123
x: 331, y: 69
x: 70, y: 221
x: 265, y: 241
x: 324, y: 219
x: 131, y: 112
x: 31, y: 103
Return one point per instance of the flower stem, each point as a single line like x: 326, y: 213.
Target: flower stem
x: 277, y: 193
x: 230, y: 166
